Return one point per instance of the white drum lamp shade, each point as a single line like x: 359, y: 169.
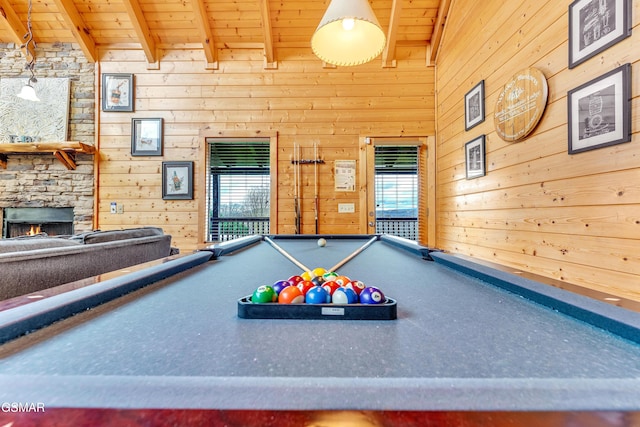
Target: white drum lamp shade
x: 348, y: 34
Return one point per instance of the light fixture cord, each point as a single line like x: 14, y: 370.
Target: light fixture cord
x: 29, y: 47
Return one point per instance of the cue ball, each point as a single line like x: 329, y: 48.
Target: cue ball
x: 322, y: 242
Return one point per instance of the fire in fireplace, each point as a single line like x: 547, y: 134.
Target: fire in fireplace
x: 31, y: 221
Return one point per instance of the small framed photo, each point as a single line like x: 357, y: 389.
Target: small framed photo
x: 475, y: 157
x: 117, y: 92
x: 599, y: 111
x: 474, y: 106
x: 146, y: 137
x: 177, y: 180
x: 594, y: 26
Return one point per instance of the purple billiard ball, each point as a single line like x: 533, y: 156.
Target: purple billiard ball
x: 344, y: 295
x: 372, y: 295
x: 317, y: 295
x: 280, y: 285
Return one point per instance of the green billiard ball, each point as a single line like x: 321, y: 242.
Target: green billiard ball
x: 263, y: 295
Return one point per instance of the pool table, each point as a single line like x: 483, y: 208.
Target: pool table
x: 165, y: 342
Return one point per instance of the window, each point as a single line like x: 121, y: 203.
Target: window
x: 238, y: 188
x: 396, y: 190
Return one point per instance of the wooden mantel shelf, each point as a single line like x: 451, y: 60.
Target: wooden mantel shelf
x: 63, y: 151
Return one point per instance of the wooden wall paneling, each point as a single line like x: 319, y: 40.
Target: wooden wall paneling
x: 569, y: 217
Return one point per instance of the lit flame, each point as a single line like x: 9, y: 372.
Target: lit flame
x: 35, y: 229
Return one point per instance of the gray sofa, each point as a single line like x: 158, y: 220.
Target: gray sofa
x: 31, y: 264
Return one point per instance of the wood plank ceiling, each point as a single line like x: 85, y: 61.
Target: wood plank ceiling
x: 211, y: 24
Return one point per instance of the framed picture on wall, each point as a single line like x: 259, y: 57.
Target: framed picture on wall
x: 599, y: 111
x: 117, y: 92
x: 146, y: 137
x: 474, y: 106
x: 475, y: 157
x: 594, y: 26
x: 177, y: 180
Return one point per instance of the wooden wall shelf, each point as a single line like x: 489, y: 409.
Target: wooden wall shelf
x: 63, y: 151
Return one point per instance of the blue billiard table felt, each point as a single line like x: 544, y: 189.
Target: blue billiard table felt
x: 457, y: 341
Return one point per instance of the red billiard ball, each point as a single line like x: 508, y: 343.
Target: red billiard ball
x: 356, y: 285
x: 344, y: 296
x: 291, y: 295
x: 304, y: 286
x: 330, y: 287
x: 372, y: 295
x: 280, y: 285
x: 263, y: 295
x: 317, y: 295
x: 294, y: 280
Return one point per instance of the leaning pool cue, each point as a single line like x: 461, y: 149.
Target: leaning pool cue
x: 354, y: 254
x: 296, y: 187
x: 315, y: 164
x: 286, y: 254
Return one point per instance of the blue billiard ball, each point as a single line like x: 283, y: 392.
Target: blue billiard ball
x: 317, y: 295
x: 344, y: 296
x: 372, y: 295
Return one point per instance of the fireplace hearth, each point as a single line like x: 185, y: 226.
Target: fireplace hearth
x: 26, y: 221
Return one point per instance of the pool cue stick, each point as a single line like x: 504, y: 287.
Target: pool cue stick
x: 296, y: 179
x: 299, y: 184
x: 315, y: 164
x: 286, y: 254
x: 354, y: 254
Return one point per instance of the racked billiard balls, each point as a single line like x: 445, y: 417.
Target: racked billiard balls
x: 291, y: 295
x: 263, y: 295
x: 344, y: 296
x: 372, y: 295
x: 317, y: 295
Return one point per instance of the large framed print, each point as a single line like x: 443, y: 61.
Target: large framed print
x: 474, y: 106
x: 474, y: 153
x: 599, y: 111
x: 117, y: 92
x: 177, y: 180
x: 596, y: 25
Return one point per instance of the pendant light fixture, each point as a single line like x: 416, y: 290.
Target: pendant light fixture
x: 28, y: 92
x: 348, y: 34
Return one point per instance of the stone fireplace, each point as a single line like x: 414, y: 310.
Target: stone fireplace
x: 41, y: 180
x: 36, y: 189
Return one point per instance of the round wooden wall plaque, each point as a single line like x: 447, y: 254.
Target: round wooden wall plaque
x: 520, y: 105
